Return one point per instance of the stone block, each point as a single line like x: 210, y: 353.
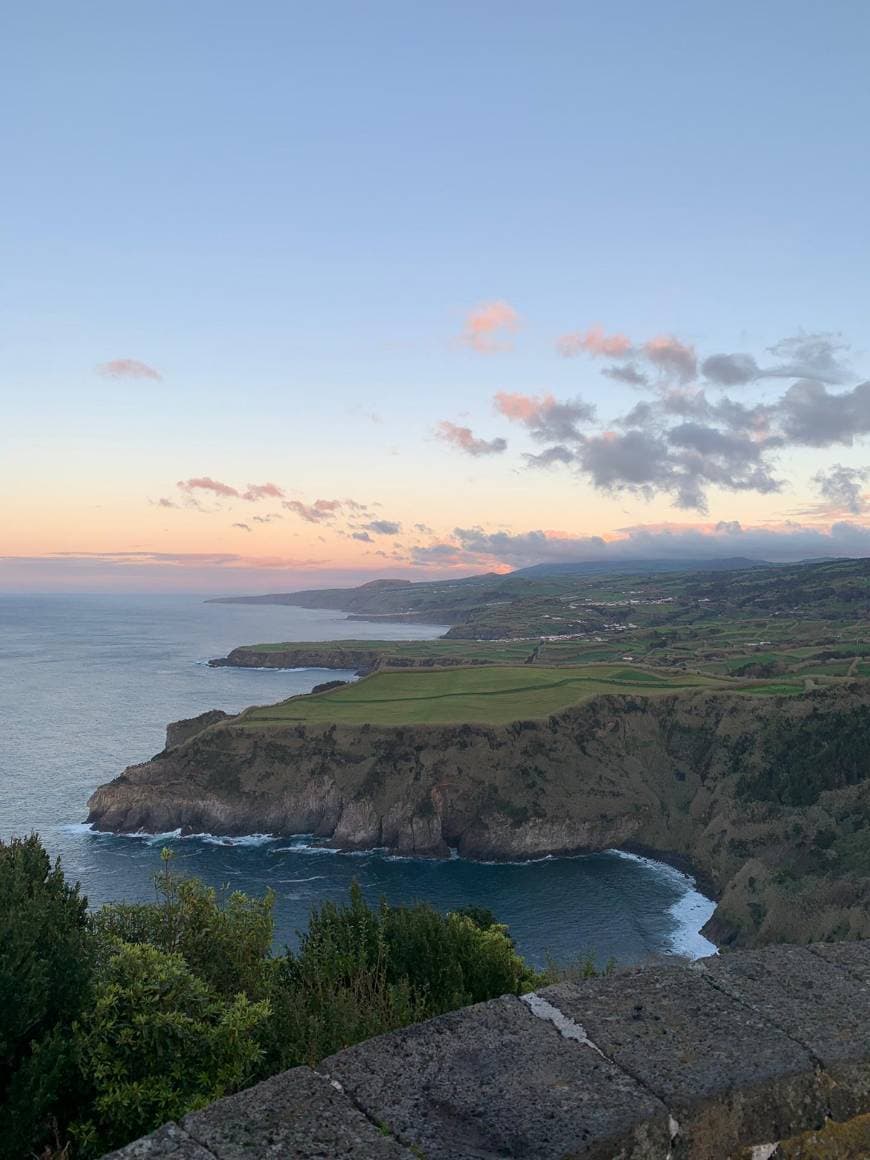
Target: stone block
x: 817, y: 1002
x: 494, y: 1080
x: 727, y: 1075
x: 168, y: 1143
x: 853, y: 957
x: 297, y: 1113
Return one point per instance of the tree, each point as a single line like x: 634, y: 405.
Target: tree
x: 46, y: 956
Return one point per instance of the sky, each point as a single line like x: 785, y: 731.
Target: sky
x: 304, y: 294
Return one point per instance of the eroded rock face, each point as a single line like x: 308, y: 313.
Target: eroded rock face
x: 667, y: 773
x: 177, y: 732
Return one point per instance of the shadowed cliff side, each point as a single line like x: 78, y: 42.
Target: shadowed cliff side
x: 768, y: 797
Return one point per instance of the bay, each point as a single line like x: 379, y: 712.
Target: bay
x: 87, y: 686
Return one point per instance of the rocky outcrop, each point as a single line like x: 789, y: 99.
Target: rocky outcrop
x: 688, y: 775
x: 177, y: 732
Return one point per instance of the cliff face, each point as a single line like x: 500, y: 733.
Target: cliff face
x: 673, y: 774
x: 362, y: 659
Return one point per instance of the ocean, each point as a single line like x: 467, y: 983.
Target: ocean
x: 87, y: 686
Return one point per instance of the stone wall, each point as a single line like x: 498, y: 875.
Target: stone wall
x: 695, y: 1061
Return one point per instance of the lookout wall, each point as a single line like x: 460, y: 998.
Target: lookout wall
x: 697, y: 1061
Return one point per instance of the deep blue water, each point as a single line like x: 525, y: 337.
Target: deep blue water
x: 87, y: 685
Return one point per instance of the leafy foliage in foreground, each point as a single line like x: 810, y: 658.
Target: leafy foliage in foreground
x: 46, y: 955
x: 112, y: 1024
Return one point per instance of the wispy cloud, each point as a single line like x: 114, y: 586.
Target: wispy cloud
x: 258, y: 491
x: 595, y: 342
x: 207, y: 484
x: 463, y: 439
x: 128, y: 368
x: 489, y: 326
x: 383, y: 527
x: 243, y: 526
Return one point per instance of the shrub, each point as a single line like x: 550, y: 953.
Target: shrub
x: 157, y: 1043
x: 226, y: 942
x: 46, y: 953
x: 361, y: 971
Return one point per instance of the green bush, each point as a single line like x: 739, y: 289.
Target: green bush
x: 226, y: 943
x: 156, y: 1043
x: 361, y: 971
x: 45, y: 970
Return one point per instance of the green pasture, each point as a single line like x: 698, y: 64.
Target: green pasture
x: 486, y: 695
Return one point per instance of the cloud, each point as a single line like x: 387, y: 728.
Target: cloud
x: 594, y: 342
x: 476, y: 548
x: 671, y: 357
x: 730, y: 370
x: 258, y: 491
x: 842, y: 487
x: 206, y: 483
x: 363, y: 536
x: 811, y: 415
x: 463, y: 439
x: 552, y: 455
x: 267, y: 519
x: 127, y: 368
x: 163, y: 502
x: 320, y: 511
x: 487, y: 326
x: 545, y: 417
x: 244, y: 527
x: 811, y: 356
x: 383, y: 528
x: 626, y: 374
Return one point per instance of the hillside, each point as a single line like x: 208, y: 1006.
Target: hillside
x: 767, y: 796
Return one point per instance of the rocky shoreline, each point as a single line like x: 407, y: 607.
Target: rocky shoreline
x: 663, y: 775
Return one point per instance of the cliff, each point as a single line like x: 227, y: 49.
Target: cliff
x: 768, y: 797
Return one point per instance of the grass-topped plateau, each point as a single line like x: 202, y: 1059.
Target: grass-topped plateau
x: 488, y: 695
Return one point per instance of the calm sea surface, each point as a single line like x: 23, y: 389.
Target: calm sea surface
x: 87, y: 685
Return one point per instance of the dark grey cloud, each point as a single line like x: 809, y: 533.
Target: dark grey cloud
x: 626, y: 374
x: 546, y: 418
x: 383, y: 528
x: 730, y: 370
x: 551, y: 456
x: 843, y: 487
x: 364, y: 536
x: 810, y: 414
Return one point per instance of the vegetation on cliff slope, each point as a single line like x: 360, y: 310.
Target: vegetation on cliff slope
x: 114, y: 1023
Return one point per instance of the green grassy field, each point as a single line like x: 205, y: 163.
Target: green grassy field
x: 483, y: 695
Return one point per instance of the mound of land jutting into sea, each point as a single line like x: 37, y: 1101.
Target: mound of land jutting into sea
x: 765, y: 791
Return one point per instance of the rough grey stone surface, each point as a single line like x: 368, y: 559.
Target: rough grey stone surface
x: 295, y: 1114
x: 815, y: 1001
x: 496, y: 1081
x: 170, y: 1141
x: 727, y: 1075
x: 853, y: 957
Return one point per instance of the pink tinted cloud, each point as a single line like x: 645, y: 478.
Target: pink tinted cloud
x: 206, y: 483
x: 487, y: 326
x: 257, y: 491
x: 464, y: 439
x: 315, y: 513
x: 526, y: 409
x: 671, y: 356
x: 128, y: 368
x: 594, y: 342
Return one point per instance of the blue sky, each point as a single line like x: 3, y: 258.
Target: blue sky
x: 289, y: 210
